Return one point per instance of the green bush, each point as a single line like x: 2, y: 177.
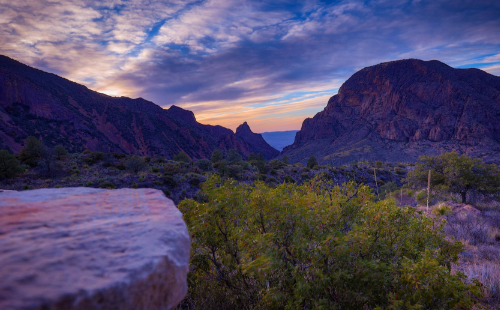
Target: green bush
x: 32, y: 151
x: 135, y: 164
x: 312, y: 162
x: 169, y: 181
x: 217, y: 156
x: 9, y: 165
x: 204, y: 164
x: 318, y: 246
x: 288, y: 179
x: 60, y: 152
x: 277, y: 164
x: 182, y: 157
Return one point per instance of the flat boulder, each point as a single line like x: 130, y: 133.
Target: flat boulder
x: 85, y: 248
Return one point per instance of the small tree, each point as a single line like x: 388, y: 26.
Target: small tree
x: 9, y: 165
x: 216, y: 156
x: 135, y: 164
x: 457, y: 173
x: 183, y: 157
x: 47, y: 161
x: 285, y: 160
x: 312, y: 162
x: 60, y: 151
x: 252, y: 156
x: 233, y: 156
x: 32, y: 151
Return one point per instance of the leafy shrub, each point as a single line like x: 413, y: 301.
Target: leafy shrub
x: 9, y: 165
x: 135, y: 164
x: 107, y: 184
x: 441, y: 209
x: 182, y: 157
x: 171, y: 168
x: 234, y: 171
x: 276, y: 164
x: 233, y: 156
x: 312, y: 162
x: 194, y: 180
x: 60, y: 151
x: 318, y: 246
x: 204, y: 164
x: 155, y: 169
x: 216, y: 156
x: 288, y: 179
x: 305, y: 176
x: 169, y: 181
x: 378, y: 164
x: 32, y: 151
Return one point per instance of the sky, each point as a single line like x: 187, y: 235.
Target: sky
x: 270, y: 63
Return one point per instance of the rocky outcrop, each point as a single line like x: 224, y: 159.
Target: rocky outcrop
x: 58, y: 111
x: 255, y: 141
x: 397, y: 111
x: 83, y: 248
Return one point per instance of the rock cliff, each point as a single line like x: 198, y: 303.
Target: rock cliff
x: 58, y: 111
x: 255, y: 141
x: 399, y: 110
x: 83, y: 248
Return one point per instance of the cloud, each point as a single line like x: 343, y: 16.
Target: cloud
x: 235, y: 60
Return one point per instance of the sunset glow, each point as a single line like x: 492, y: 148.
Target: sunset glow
x: 269, y: 63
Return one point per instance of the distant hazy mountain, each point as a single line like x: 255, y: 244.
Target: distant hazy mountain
x: 58, y: 111
x: 279, y: 139
x: 397, y: 111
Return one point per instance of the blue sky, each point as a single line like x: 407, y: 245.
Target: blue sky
x: 271, y: 63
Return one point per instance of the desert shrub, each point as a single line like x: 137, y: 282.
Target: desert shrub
x: 273, y: 172
x: 276, y: 164
x: 119, y: 155
x: 135, y: 164
x: 194, y: 179
x: 121, y: 166
x: 233, y: 156
x: 169, y: 181
x: 312, y: 162
x: 288, y: 179
x: 378, y: 164
x: 441, y: 209
x: 317, y: 246
x: 195, y: 169
x: 262, y: 167
x: 32, y: 151
x: 305, y: 176
x: 271, y: 180
x: 216, y: 156
x: 204, y: 164
x: 469, y: 228
x: 234, y: 171
x: 147, y: 159
x: 488, y: 274
x: 262, y: 177
x: 182, y: 157
x: 171, y: 168
x: 160, y: 160
x: 155, y: 169
x: 60, y: 151
x: 107, y: 184
x: 9, y: 165
x: 387, y: 189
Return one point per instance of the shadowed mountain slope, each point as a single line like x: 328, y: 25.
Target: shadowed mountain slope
x: 399, y: 110
x: 58, y: 111
x: 256, y: 142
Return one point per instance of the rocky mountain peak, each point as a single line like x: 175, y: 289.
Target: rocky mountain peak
x: 256, y: 141
x: 399, y: 110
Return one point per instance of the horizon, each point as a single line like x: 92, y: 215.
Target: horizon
x: 270, y: 64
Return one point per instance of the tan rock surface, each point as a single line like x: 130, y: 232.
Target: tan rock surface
x: 83, y: 248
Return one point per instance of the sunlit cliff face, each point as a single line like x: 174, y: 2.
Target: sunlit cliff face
x: 272, y: 63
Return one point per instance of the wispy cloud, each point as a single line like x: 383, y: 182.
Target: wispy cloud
x: 236, y: 60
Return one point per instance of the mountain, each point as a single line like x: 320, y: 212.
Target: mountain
x: 279, y: 139
x: 255, y: 141
x: 399, y: 110
x: 58, y: 111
